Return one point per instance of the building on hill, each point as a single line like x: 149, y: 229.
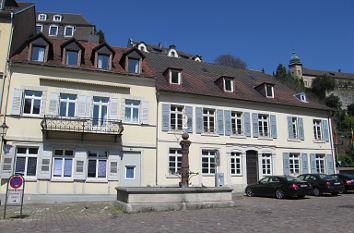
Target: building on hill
x: 344, y: 81
x: 65, y: 25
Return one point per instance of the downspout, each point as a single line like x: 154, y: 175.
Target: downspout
x: 332, y: 144
x: 157, y: 136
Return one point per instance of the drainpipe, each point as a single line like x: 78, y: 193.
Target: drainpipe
x: 334, y: 155
x: 157, y: 137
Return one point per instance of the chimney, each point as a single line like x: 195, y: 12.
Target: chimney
x: 172, y: 46
x: 339, y: 70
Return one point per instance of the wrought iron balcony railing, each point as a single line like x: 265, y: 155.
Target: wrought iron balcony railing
x: 82, y: 125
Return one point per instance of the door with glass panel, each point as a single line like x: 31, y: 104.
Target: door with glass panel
x: 100, y: 112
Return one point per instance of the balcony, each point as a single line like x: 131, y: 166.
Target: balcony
x: 82, y: 126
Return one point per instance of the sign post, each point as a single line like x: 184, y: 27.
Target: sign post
x: 15, y: 190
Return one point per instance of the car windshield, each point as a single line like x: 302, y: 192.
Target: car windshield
x: 290, y: 178
x: 330, y: 177
x: 350, y: 176
x: 323, y: 176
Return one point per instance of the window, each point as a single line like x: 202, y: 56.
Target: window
x: 39, y: 28
x: 228, y: 87
x: 100, y: 111
x: 69, y: 31
x: 57, y: 18
x: 175, y: 161
x: 97, y: 165
x: 294, y: 163
x: 266, y: 164
x: 269, y: 90
x: 26, y: 161
x: 320, y: 163
x: 208, y: 162
x: 176, y: 117
x: 301, y: 96
x: 103, y: 61
x: 42, y: 17
x: 32, y: 103
x: 294, y: 128
x: 236, y: 123
x: 71, y: 58
x: 175, y: 77
x: 53, y: 30
x: 209, y: 120
x: 133, y: 66
x: 317, y: 129
x: 67, y: 105
x: 63, y: 163
x: 38, y: 53
x: 129, y: 172
x: 132, y: 108
x: 235, y: 161
x: 263, y: 125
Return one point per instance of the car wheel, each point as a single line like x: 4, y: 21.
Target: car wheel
x: 301, y: 196
x: 249, y: 192
x: 343, y: 190
x: 334, y: 194
x: 279, y: 194
x: 316, y: 192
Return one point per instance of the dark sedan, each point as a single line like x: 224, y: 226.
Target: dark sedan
x: 279, y: 187
x: 322, y: 183
x: 347, y: 180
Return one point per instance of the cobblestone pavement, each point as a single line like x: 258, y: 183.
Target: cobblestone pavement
x: 313, y: 214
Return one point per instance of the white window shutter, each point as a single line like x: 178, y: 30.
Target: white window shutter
x: 81, y: 106
x: 144, y: 112
x: 17, y: 102
x: 43, y: 103
x: 45, y: 161
x: 7, y: 161
x: 53, y: 104
x: 80, y: 165
x: 113, y: 163
x: 89, y: 106
x: 123, y: 109
x: 113, y: 109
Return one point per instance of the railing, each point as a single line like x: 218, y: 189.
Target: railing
x: 83, y: 125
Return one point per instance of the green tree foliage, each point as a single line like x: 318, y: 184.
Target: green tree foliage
x: 333, y: 101
x: 101, y: 37
x: 321, y: 85
x: 285, y: 77
x: 281, y: 73
x: 229, y: 60
x: 350, y: 109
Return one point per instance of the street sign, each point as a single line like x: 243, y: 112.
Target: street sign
x: 14, y: 197
x: 15, y: 190
x: 16, y: 182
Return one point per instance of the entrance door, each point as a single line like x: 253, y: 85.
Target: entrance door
x: 252, y: 166
x: 130, y: 170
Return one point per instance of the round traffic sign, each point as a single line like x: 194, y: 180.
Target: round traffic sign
x: 16, y: 182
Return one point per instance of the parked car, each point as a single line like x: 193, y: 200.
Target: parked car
x: 322, y: 183
x: 279, y: 187
x: 347, y: 180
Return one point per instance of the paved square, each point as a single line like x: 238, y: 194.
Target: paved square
x: 313, y: 214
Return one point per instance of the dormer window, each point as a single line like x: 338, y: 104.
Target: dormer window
x: 228, y: 85
x: 71, y: 57
x: 142, y: 47
x: 133, y: 66
x: 57, y: 18
x: 302, y: 97
x: 53, y: 30
x: 42, y: 17
x: 38, y: 53
x: 69, y: 31
x: 103, y: 61
x: 269, y: 90
x: 39, y: 28
x: 175, y: 77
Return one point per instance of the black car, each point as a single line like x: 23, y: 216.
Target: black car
x: 279, y: 187
x: 322, y: 183
x: 347, y: 180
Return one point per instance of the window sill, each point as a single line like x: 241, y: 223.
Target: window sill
x: 175, y: 132
x: 208, y: 175
x: 55, y: 179
x: 170, y: 176
x: 31, y: 115
x: 294, y: 140
x: 237, y: 176
x: 96, y: 180
x: 319, y: 141
x: 265, y: 139
x: 238, y: 136
x: 210, y: 134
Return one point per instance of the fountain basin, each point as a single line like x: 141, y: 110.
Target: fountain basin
x: 145, y: 199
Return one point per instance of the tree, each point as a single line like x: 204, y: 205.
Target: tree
x: 288, y: 79
x: 281, y: 73
x: 350, y: 109
x: 229, y: 60
x: 333, y: 101
x: 101, y: 37
x: 321, y: 85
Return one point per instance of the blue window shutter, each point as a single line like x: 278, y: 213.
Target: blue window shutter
x: 255, y: 125
x: 301, y: 128
x: 273, y: 123
x: 290, y: 128
x: 313, y: 163
x: 189, y: 113
x: 165, y: 117
x: 227, y: 117
x: 286, y: 165
x: 199, y: 119
x: 304, y: 163
x: 330, y: 164
x: 325, y: 130
x: 220, y: 121
x: 247, y: 122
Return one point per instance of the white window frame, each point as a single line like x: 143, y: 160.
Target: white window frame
x: 208, y: 115
x: 179, y: 76
x: 39, y: 25
x: 236, y: 159
x: 236, y: 120
x: 138, y: 71
x: 52, y: 26
x: 97, y: 158
x: 132, y: 106
x: 59, y: 16
x: 178, y: 115
x: 43, y: 55
x: 317, y: 129
x: 32, y: 98
x: 266, y: 164
x: 100, y: 102
x: 294, y: 127
x: 63, y: 157
x: 269, y: 95
x: 27, y: 155
x: 99, y: 65
x: 209, y: 155
x: 125, y: 172
x: 294, y: 164
x: 177, y: 153
x: 67, y: 102
x: 263, y: 123
x: 231, y: 85
x: 320, y: 163
x: 172, y: 53
x: 73, y: 31
x: 40, y: 17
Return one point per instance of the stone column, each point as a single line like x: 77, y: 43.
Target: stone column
x: 185, y: 143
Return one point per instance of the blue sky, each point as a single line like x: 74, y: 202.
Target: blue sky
x: 262, y: 33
